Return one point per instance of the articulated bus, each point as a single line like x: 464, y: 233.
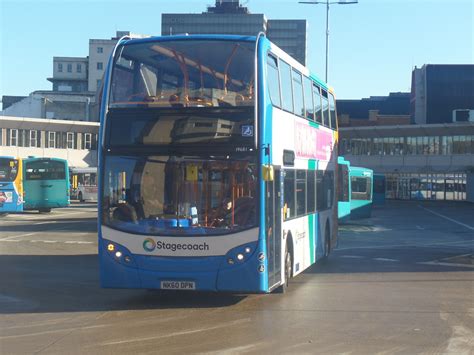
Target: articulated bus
x: 84, y: 183
x: 11, y: 185
x: 217, y: 165
x: 46, y: 183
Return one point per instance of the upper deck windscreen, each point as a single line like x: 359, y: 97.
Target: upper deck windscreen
x: 184, y: 73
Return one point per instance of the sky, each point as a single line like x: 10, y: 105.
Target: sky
x: 373, y: 45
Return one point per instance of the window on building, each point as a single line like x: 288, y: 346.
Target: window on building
x: 51, y: 139
x: 100, y: 49
x: 298, y: 103
x: 13, y: 137
x: 33, y: 138
x: 273, y: 80
x: 286, y: 87
x: 87, y: 141
x: 70, y: 140
x: 100, y: 66
x: 69, y: 68
x: 60, y: 67
x: 99, y: 83
x: 79, y: 68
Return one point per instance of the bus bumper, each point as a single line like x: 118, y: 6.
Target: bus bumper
x: 214, y: 273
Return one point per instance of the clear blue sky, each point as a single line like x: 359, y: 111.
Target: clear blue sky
x: 373, y: 45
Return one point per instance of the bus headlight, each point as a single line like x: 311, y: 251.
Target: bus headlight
x: 118, y: 254
x: 110, y: 247
x: 248, y: 250
x: 240, y: 257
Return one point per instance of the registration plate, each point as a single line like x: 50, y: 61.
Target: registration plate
x: 178, y: 285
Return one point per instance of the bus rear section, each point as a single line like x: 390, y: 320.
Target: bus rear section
x: 46, y: 184
x: 361, y: 192
x: 84, y: 184
x: 11, y: 185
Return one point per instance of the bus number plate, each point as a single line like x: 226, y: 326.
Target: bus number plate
x: 178, y: 285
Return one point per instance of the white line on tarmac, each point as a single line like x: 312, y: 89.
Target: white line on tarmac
x: 352, y: 257
x: 447, y: 218
x: 17, y: 236
x: 385, y: 259
x: 436, y: 263
x: 466, y: 242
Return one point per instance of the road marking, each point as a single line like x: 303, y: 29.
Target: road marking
x: 467, y: 243
x: 385, y: 259
x: 437, y: 263
x: 180, y: 333
x: 352, y: 256
x: 447, y: 218
x: 47, y: 241
x: 17, y: 236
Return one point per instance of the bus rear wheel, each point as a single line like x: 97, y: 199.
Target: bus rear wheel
x: 44, y: 210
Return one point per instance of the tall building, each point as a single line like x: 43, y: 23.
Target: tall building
x: 442, y: 93
x: 230, y: 17
x: 75, y: 83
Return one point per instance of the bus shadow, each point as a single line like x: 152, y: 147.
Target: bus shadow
x: 64, y: 224
x: 70, y: 283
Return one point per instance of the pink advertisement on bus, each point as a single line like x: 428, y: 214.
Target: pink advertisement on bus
x: 313, y: 143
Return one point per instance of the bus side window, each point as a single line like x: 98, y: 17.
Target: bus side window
x: 308, y: 98
x: 325, y: 104
x: 286, y: 87
x: 332, y: 109
x: 298, y: 102
x: 317, y: 104
x: 273, y: 80
x: 289, y: 195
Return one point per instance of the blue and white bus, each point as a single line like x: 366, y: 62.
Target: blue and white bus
x: 11, y: 185
x: 217, y: 165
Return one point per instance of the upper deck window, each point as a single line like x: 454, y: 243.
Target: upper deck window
x: 184, y: 73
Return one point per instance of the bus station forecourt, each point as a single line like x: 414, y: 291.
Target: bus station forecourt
x: 200, y: 190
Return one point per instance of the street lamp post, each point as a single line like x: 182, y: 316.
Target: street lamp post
x: 327, y: 3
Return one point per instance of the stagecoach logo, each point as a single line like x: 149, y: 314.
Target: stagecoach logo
x: 149, y: 244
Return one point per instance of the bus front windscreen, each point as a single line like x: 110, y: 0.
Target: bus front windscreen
x: 184, y: 73
x: 8, y: 169
x: 177, y: 195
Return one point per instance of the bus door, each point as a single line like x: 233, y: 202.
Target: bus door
x: 273, y: 205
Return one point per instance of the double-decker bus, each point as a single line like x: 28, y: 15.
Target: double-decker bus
x: 46, y: 183
x: 84, y: 183
x: 217, y: 165
x: 11, y: 185
x: 361, y: 191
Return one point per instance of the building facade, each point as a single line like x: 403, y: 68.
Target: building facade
x: 230, y: 17
x: 71, y: 140
x: 419, y: 161
x: 439, y: 90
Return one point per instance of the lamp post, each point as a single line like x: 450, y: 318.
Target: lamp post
x: 327, y: 3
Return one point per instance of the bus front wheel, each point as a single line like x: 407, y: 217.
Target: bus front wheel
x: 44, y: 210
x: 287, y: 272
